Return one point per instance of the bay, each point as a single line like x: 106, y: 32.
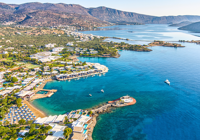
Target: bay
x: 162, y: 111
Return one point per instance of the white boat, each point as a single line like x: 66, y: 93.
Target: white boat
x: 167, y: 82
x: 90, y: 95
x: 102, y: 90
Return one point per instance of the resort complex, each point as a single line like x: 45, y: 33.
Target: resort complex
x: 26, y: 69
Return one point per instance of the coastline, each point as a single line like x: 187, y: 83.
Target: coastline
x: 104, y: 108
x: 38, y: 113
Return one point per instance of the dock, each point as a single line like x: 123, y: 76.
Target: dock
x: 120, y: 102
x: 49, y: 93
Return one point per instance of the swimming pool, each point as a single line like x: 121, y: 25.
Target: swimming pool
x: 19, y: 138
x: 85, y: 126
x: 42, y: 92
x: 84, y: 131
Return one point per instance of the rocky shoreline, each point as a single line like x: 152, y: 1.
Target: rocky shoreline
x: 106, y: 108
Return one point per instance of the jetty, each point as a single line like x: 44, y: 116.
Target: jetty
x: 49, y: 93
x: 120, y: 102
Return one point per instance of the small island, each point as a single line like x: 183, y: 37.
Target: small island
x: 192, y: 41
x: 165, y: 44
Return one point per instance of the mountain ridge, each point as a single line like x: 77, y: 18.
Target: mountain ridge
x: 94, y: 17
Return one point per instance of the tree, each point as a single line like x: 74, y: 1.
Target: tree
x: 90, y: 112
x: 22, y: 122
x: 19, y: 102
x: 6, y: 122
x: 14, y: 79
x: 67, y: 132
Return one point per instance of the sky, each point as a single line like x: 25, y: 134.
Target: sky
x: 149, y: 7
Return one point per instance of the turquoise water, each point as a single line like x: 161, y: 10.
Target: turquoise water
x: 162, y: 112
x: 42, y: 92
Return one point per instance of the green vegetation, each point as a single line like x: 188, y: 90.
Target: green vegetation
x: 6, y: 103
x: 67, y: 132
x: 36, y: 40
x: 100, y: 46
x: 139, y: 48
x: 163, y: 43
x: 90, y: 113
x: 14, y: 79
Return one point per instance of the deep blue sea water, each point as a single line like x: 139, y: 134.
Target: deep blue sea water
x: 162, y: 112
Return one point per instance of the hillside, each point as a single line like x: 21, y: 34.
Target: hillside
x: 113, y: 15
x: 194, y: 27
x: 48, y: 14
x: 181, y: 24
x: 38, y: 14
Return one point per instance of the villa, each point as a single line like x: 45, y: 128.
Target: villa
x: 80, y: 127
x: 57, y: 131
x: 60, y: 119
x: 57, y: 49
x: 50, y: 45
x: 70, y: 44
x: 51, y: 138
x: 5, y: 52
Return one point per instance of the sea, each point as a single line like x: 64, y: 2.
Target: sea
x: 162, y: 112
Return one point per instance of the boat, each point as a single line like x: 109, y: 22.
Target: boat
x: 90, y: 95
x: 167, y: 82
x: 102, y: 90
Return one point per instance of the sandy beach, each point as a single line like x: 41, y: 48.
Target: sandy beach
x: 37, y: 112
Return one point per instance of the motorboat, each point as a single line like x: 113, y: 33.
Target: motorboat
x: 167, y: 82
x: 102, y: 90
x: 90, y: 95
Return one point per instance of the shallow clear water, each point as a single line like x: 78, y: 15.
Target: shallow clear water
x: 162, y: 112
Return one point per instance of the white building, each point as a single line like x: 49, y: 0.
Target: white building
x: 5, y: 52
x: 70, y: 44
x: 58, y: 130
x: 57, y: 49
x: 93, y: 52
x: 50, y: 45
x: 51, y: 138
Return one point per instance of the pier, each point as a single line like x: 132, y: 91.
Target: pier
x: 49, y: 93
x: 121, y: 102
